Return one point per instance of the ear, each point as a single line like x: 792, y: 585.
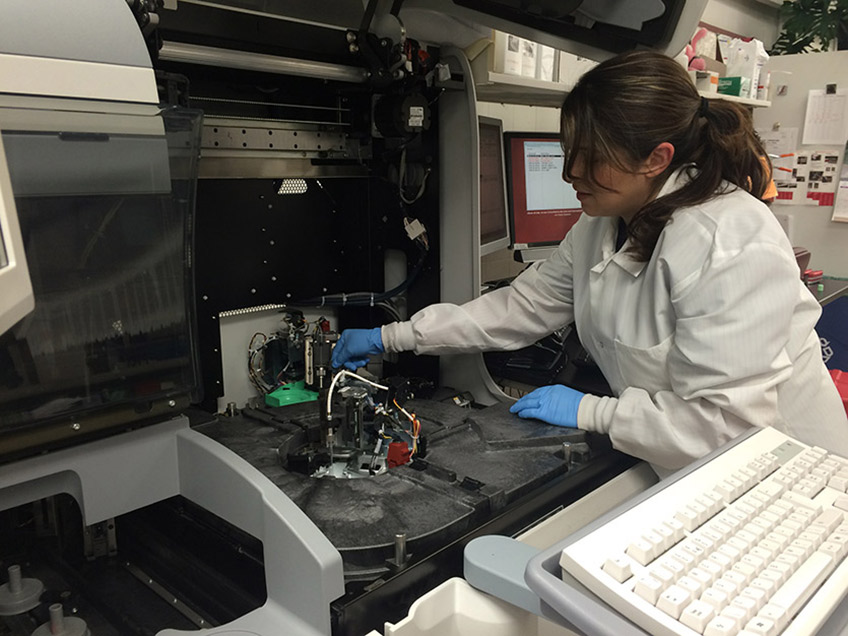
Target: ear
x: 658, y: 160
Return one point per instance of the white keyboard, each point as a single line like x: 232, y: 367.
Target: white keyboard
x: 752, y: 542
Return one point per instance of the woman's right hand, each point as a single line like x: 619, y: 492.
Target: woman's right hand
x: 355, y: 346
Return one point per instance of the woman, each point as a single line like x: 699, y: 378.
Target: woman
x: 682, y: 284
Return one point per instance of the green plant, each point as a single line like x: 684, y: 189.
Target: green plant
x: 811, y: 25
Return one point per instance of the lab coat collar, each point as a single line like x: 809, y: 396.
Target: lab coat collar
x: 620, y: 258
x: 676, y: 180
x: 625, y: 261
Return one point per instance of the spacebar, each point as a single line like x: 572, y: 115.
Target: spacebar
x: 800, y: 586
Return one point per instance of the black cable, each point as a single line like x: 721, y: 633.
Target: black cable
x: 367, y: 17
x: 364, y: 299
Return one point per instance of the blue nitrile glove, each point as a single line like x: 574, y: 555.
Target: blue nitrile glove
x: 555, y: 404
x: 354, y: 347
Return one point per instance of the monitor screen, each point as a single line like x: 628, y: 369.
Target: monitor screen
x: 16, y: 297
x: 542, y: 207
x: 494, y: 220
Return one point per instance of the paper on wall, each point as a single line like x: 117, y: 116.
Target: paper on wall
x: 826, y: 121
x: 811, y: 179
x: 782, y: 141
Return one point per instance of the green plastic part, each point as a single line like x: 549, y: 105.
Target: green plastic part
x: 293, y: 393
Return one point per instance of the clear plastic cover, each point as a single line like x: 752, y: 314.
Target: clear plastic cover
x: 112, y: 329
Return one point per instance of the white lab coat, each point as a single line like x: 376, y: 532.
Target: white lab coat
x: 713, y: 335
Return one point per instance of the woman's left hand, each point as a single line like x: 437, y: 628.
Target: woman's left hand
x: 555, y: 404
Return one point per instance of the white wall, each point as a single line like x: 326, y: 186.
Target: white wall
x: 522, y: 118
x: 756, y: 18
x: 811, y: 225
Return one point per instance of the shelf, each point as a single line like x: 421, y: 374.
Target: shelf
x: 746, y: 101
x: 516, y: 89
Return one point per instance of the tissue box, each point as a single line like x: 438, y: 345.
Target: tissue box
x: 734, y: 85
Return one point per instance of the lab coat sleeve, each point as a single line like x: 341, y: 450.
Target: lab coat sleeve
x: 538, y: 302
x: 727, y: 359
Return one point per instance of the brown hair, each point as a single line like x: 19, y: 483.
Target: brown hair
x: 626, y: 106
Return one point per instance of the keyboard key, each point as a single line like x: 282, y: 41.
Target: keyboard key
x: 703, y: 577
x: 722, y: 560
x: 801, y: 585
x: 618, y: 568
x: 722, y: 626
x: 688, y: 517
x: 836, y: 550
x: 696, y: 615
x: 641, y: 551
x: 755, y: 594
x: 693, y: 548
x: 693, y: 586
x: 674, y: 600
x: 676, y: 528
x: 663, y: 575
x: 648, y: 588
x: 761, y: 626
x: 667, y: 534
x: 727, y: 587
x: 712, y: 568
x: 772, y: 575
x: 745, y: 604
x: 797, y: 500
x: 738, y: 614
x: 809, y: 487
x: 686, y: 558
x: 716, y: 597
x: 774, y: 613
x: 767, y: 584
x: 672, y: 565
x: 783, y: 570
x: 736, y: 578
x: 838, y: 482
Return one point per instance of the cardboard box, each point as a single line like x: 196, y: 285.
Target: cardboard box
x: 705, y: 81
x: 715, y: 65
x: 734, y: 85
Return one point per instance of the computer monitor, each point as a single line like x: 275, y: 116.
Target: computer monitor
x: 494, y: 217
x: 16, y: 297
x: 542, y: 207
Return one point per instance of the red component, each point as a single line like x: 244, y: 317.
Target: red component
x: 813, y: 275
x: 398, y: 454
x: 325, y: 326
x: 841, y: 380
